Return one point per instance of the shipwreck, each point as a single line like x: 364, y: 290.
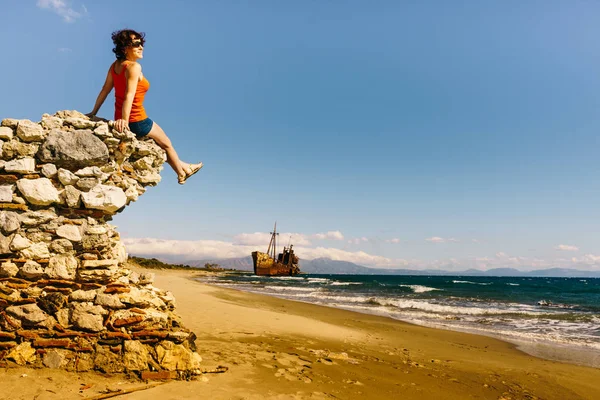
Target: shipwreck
x: 266, y: 264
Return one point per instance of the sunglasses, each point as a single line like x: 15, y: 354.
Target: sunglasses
x: 139, y: 43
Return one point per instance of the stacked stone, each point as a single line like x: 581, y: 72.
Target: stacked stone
x: 66, y: 298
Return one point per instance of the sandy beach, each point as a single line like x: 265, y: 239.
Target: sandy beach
x: 280, y: 349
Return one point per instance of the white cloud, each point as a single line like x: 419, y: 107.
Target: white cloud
x: 183, y: 250
x: 475, y: 241
x: 334, y: 235
x: 61, y: 8
x: 213, y: 249
x: 263, y: 239
x: 187, y: 249
x: 358, y: 257
x: 297, y: 239
x: 358, y: 240
x: 437, y: 239
x: 64, y: 50
x: 394, y: 240
x: 566, y: 247
x: 588, y: 259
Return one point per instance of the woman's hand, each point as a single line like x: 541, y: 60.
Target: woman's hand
x: 121, y: 124
x: 92, y: 116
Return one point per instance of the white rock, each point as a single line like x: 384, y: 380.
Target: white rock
x: 144, y: 163
x: 10, y: 122
x: 6, y: 193
x: 49, y: 170
x: 102, y: 131
x: 96, y: 230
x: 36, y: 251
x: 87, y: 316
x: 135, y: 356
x: 119, y: 253
x: 5, y: 244
x: 29, y: 131
x: 33, y: 218
x: 148, y: 177
x: 66, y: 177
x: 89, y: 171
x: 20, y: 243
x: 38, y: 191
x: 8, y: 269
x: 19, y: 199
x: 83, y: 295
x: 80, y: 123
x: 63, y: 266
x: 70, y: 232
x: 132, y: 193
x: 141, y: 298
x: 104, y: 197
x: 101, y: 275
x: 9, y: 221
x: 28, y: 312
x: 50, y: 122
x: 22, y: 166
x: 108, y: 301
x: 72, y: 196
x: 6, y: 133
x: 31, y: 270
x: 99, y: 263
x: 146, y: 278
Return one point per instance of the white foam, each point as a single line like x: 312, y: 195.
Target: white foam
x: 336, y: 283
x: 292, y: 288
x: 513, y: 284
x: 285, y: 278
x: 420, y: 288
x: 473, y: 283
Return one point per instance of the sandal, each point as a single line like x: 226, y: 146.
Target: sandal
x: 191, y: 170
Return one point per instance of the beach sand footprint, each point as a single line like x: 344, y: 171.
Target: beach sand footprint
x: 290, y: 366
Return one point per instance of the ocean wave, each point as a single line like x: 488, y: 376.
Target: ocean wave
x: 513, y: 284
x: 285, y: 278
x: 337, y: 283
x: 548, y: 303
x: 420, y: 288
x: 318, y: 280
x: 453, y: 310
x: 291, y: 288
x: 474, y: 283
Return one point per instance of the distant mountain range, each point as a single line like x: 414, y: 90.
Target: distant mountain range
x: 329, y: 266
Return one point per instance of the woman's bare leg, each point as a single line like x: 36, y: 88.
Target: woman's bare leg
x: 161, y: 139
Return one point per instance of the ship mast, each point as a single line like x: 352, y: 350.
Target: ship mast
x: 273, y: 242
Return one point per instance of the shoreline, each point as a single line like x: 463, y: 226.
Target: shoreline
x: 281, y: 349
x: 572, y: 353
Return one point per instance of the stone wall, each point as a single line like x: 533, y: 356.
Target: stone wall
x: 66, y: 298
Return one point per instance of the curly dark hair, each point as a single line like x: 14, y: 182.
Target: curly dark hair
x: 122, y: 39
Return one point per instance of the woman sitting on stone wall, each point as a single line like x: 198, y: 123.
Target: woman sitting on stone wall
x: 125, y: 75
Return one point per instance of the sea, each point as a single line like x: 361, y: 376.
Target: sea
x: 555, y: 318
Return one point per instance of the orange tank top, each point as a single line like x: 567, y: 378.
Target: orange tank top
x: 138, y: 112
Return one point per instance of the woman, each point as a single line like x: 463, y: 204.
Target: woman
x: 125, y: 75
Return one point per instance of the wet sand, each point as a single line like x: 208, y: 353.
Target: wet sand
x: 281, y: 349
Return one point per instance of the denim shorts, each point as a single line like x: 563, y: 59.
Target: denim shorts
x: 141, y: 128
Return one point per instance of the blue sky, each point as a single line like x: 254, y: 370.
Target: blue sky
x: 425, y: 134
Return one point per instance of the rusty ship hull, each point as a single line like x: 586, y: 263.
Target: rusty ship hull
x: 264, y: 265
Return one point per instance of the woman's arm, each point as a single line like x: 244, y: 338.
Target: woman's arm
x: 132, y: 75
x: 106, y: 89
